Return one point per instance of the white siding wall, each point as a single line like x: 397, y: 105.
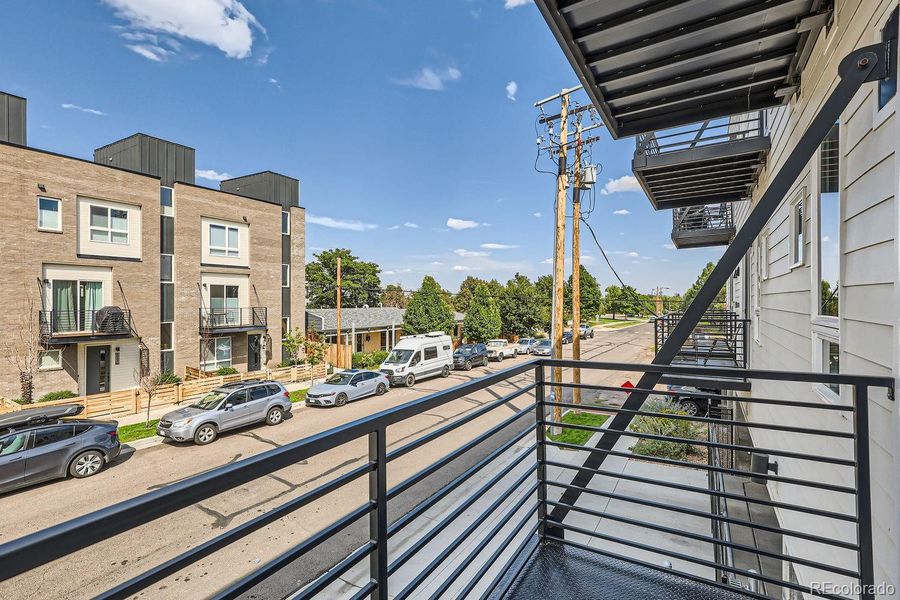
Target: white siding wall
x: 785, y: 304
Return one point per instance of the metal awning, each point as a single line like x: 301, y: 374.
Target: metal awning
x: 654, y: 64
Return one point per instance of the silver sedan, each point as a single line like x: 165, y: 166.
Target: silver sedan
x: 345, y: 386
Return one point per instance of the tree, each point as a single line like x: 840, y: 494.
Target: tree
x: 22, y: 347
x: 591, y: 295
x: 428, y: 310
x: 466, y: 290
x: 394, y: 296
x: 830, y: 299
x: 360, y: 283
x: 149, y: 383
x: 520, y: 307
x: 544, y: 288
x: 692, y: 291
x: 314, y: 350
x: 482, y: 321
x: 616, y: 301
x: 293, y: 344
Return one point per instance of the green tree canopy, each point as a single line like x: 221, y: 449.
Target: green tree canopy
x: 544, y: 288
x: 591, y: 295
x: 482, y: 321
x: 615, y: 301
x: 520, y: 307
x: 428, y: 310
x: 692, y: 291
x: 463, y: 298
x: 360, y: 283
x: 394, y: 296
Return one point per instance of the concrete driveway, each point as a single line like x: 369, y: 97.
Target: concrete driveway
x: 91, y: 571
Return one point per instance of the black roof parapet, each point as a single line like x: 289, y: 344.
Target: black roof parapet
x: 150, y: 155
x: 267, y: 186
x: 13, y: 111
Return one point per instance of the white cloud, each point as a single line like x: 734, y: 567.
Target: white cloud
x: 494, y: 246
x: 547, y: 261
x: 409, y: 225
x: 469, y: 253
x: 537, y: 214
x: 509, y: 4
x: 626, y: 183
x: 461, y: 268
x: 511, y: 89
x: 393, y: 227
x: 90, y: 111
x: 433, y: 80
x: 212, y: 175
x: 622, y: 211
x: 275, y: 82
x: 347, y: 225
x: 389, y: 272
x: 826, y: 239
x: 223, y: 24
x: 669, y: 246
x: 436, y: 263
x: 461, y: 224
x: 631, y: 254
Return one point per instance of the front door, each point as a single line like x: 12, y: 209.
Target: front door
x: 254, y: 350
x: 97, y: 367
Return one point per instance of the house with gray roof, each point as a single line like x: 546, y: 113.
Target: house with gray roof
x: 367, y: 329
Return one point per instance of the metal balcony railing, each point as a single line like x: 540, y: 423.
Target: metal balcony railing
x: 714, y: 162
x: 58, y: 325
x: 525, y: 513
x: 719, y: 340
x: 702, y: 226
x: 218, y: 319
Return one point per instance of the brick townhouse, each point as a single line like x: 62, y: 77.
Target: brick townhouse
x: 131, y: 266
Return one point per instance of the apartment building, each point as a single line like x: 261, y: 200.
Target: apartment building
x: 125, y: 265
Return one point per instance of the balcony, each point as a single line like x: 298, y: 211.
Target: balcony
x: 711, y: 163
x: 702, y: 226
x: 524, y: 515
x: 232, y: 320
x: 60, y: 327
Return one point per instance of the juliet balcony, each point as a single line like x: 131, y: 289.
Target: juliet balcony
x: 58, y: 327
x: 232, y: 320
x: 702, y: 226
x: 715, y: 162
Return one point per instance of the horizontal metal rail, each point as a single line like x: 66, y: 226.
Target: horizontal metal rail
x: 336, y: 571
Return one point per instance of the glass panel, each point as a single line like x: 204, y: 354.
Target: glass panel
x: 232, y: 238
x: 91, y: 301
x: 833, y: 363
x: 119, y: 237
x: 48, y: 213
x: 217, y: 297
x: 216, y: 236
x: 99, y: 235
x: 165, y: 267
x: 285, y: 223
x: 167, y: 302
x: 166, y: 200
x: 167, y: 235
x: 119, y: 219
x: 50, y: 359
x: 285, y: 275
x: 887, y: 87
x: 64, y: 306
x: 165, y: 336
x: 99, y: 216
x: 167, y: 361
x: 223, y: 351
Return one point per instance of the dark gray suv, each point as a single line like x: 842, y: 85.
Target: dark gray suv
x: 39, y: 444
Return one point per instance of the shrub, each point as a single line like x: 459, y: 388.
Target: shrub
x: 168, y: 377
x: 676, y: 428
x: 60, y: 395
x: 368, y: 360
x: 226, y: 371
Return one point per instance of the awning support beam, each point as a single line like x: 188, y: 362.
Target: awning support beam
x: 862, y: 66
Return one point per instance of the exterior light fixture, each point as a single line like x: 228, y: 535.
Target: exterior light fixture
x: 760, y: 465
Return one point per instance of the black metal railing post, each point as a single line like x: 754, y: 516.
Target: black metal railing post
x: 378, y: 525
x: 540, y: 416
x: 863, y: 492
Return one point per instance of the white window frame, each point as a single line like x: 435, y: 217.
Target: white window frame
x: 823, y: 333
x: 285, y: 327
x: 109, y: 229
x: 284, y: 224
x: 797, y: 247
x: 56, y: 367
x: 40, y: 227
x: 285, y: 275
x: 167, y: 211
x: 764, y: 257
x: 217, y: 364
x: 226, y: 250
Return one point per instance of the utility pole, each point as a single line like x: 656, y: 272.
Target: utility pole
x: 339, y: 358
x: 559, y: 252
x: 576, y: 267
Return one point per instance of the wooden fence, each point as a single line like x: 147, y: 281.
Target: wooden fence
x: 132, y: 401
x: 331, y: 356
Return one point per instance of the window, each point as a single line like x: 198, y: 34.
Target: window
x: 167, y: 201
x: 431, y: 353
x: 887, y: 87
x: 223, y: 241
x: 224, y: 304
x: 828, y: 234
x: 166, y: 235
x: 285, y: 326
x: 239, y: 397
x: 217, y: 354
x: 285, y: 276
x: 798, y: 229
x: 53, y: 435
x: 167, y: 361
x: 73, y: 304
x: 13, y: 443
x: 166, y: 302
x: 165, y: 267
x: 109, y: 225
x: 831, y: 362
x: 50, y: 360
x: 258, y: 393
x: 48, y: 214
x: 165, y: 336
x: 273, y: 390
x: 285, y: 222
x: 764, y: 256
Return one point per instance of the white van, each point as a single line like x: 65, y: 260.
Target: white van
x: 419, y: 356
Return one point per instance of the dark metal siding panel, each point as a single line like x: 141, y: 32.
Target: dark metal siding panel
x: 4, y: 118
x: 153, y: 160
x: 170, y: 161
x: 145, y: 147
x: 285, y: 249
x: 285, y: 302
x: 188, y: 176
x: 13, y: 125
x: 178, y: 167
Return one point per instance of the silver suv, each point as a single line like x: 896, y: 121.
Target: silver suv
x: 228, y: 407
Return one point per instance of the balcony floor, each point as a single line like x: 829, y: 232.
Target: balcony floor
x: 567, y: 573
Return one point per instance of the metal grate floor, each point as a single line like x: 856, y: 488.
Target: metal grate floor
x: 568, y: 573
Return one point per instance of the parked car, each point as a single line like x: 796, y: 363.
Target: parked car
x: 523, y: 346
x: 586, y: 331
x: 692, y: 405
x: 542, y: 347
x: 500, y: 349
x: 348, y: 385
x: 227, y: 407
x: 470, y: 355
x: 39, y: 444
x: 417, y: 357
x: 567, y: 337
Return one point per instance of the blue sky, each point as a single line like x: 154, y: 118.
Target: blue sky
x: 413, y: 148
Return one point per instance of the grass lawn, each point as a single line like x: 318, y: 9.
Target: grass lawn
x: 620, y: 324
x: 578, y: 436
x: 137, y: 431
x: 298, y: 396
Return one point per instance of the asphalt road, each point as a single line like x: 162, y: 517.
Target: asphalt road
x: 86, y: 573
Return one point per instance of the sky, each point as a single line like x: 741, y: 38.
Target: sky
x: 410, y: 124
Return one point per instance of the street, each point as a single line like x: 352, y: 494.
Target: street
x: 87, y: 573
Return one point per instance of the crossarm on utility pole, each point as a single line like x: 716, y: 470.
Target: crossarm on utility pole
x: 864, y: 65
